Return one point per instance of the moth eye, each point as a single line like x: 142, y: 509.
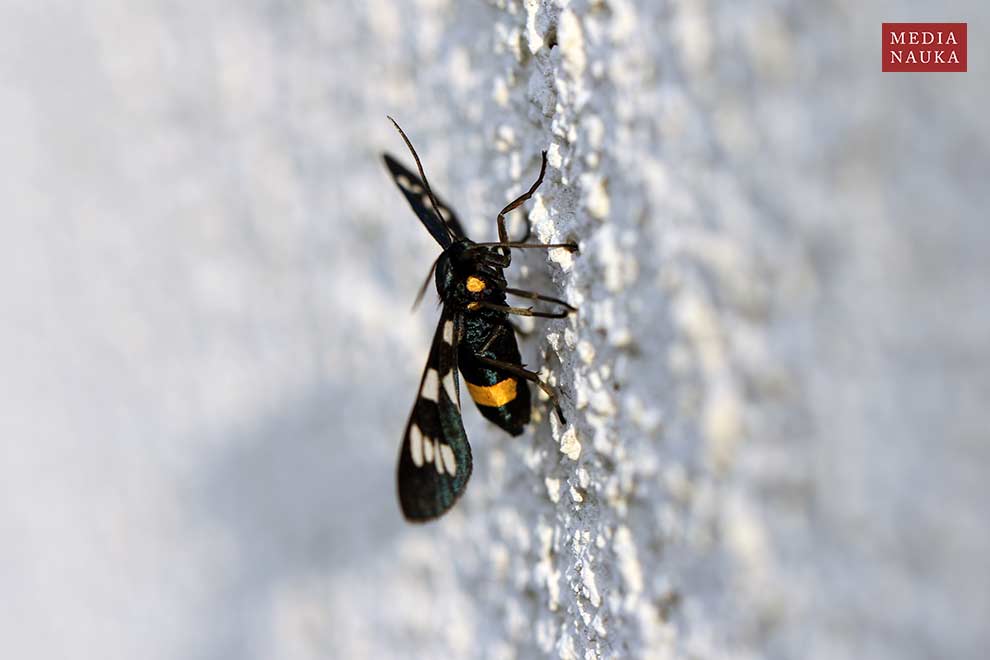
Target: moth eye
x: 475, y: 285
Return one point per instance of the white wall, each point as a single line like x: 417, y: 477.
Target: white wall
x: 776, y: 384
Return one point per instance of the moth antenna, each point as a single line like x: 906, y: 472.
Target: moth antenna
x: 422, y: 175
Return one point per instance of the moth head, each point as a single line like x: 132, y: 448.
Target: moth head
x: 463, y: 272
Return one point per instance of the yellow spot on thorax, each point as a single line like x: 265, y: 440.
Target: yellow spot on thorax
x: 475, y: 285
x: 495, y: 395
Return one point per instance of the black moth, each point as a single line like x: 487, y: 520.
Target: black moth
x: 474, y: 335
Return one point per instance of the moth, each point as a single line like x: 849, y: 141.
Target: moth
x: 474, y: 336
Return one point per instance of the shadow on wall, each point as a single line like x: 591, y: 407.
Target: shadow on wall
x: 298, y: 494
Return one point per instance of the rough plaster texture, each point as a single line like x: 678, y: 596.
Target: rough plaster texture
x: 776, y: 384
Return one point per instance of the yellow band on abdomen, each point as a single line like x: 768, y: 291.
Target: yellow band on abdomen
x: 495, y: 395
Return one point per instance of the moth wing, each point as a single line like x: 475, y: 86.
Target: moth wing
x: 415, y: 192
x: 435, y: 459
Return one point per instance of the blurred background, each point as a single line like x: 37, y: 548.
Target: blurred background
x: 777, y: 384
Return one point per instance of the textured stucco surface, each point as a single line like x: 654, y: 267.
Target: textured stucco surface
x: 776, y: 385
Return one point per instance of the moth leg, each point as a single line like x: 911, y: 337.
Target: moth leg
x: 491, y: 260
x: 515, y: 328
x: 519, y: 311
x: 571, y: 247
x: 503, y: 235
x: 530, y: 376
x: 492, y: 337
x: 498, y: 331
x: 538, y: 296
x: 426, y: 284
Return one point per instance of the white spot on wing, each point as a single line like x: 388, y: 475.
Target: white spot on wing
x: 448, y: 384
x: 447, y: 454
x: 428, y: 449
x: 448, y: 332
x: 438, y: 462
x: 431, y: 386
x: 408, y: 184
x: 416, y: 445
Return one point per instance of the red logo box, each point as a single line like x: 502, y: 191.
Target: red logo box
x: 924, y: 46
